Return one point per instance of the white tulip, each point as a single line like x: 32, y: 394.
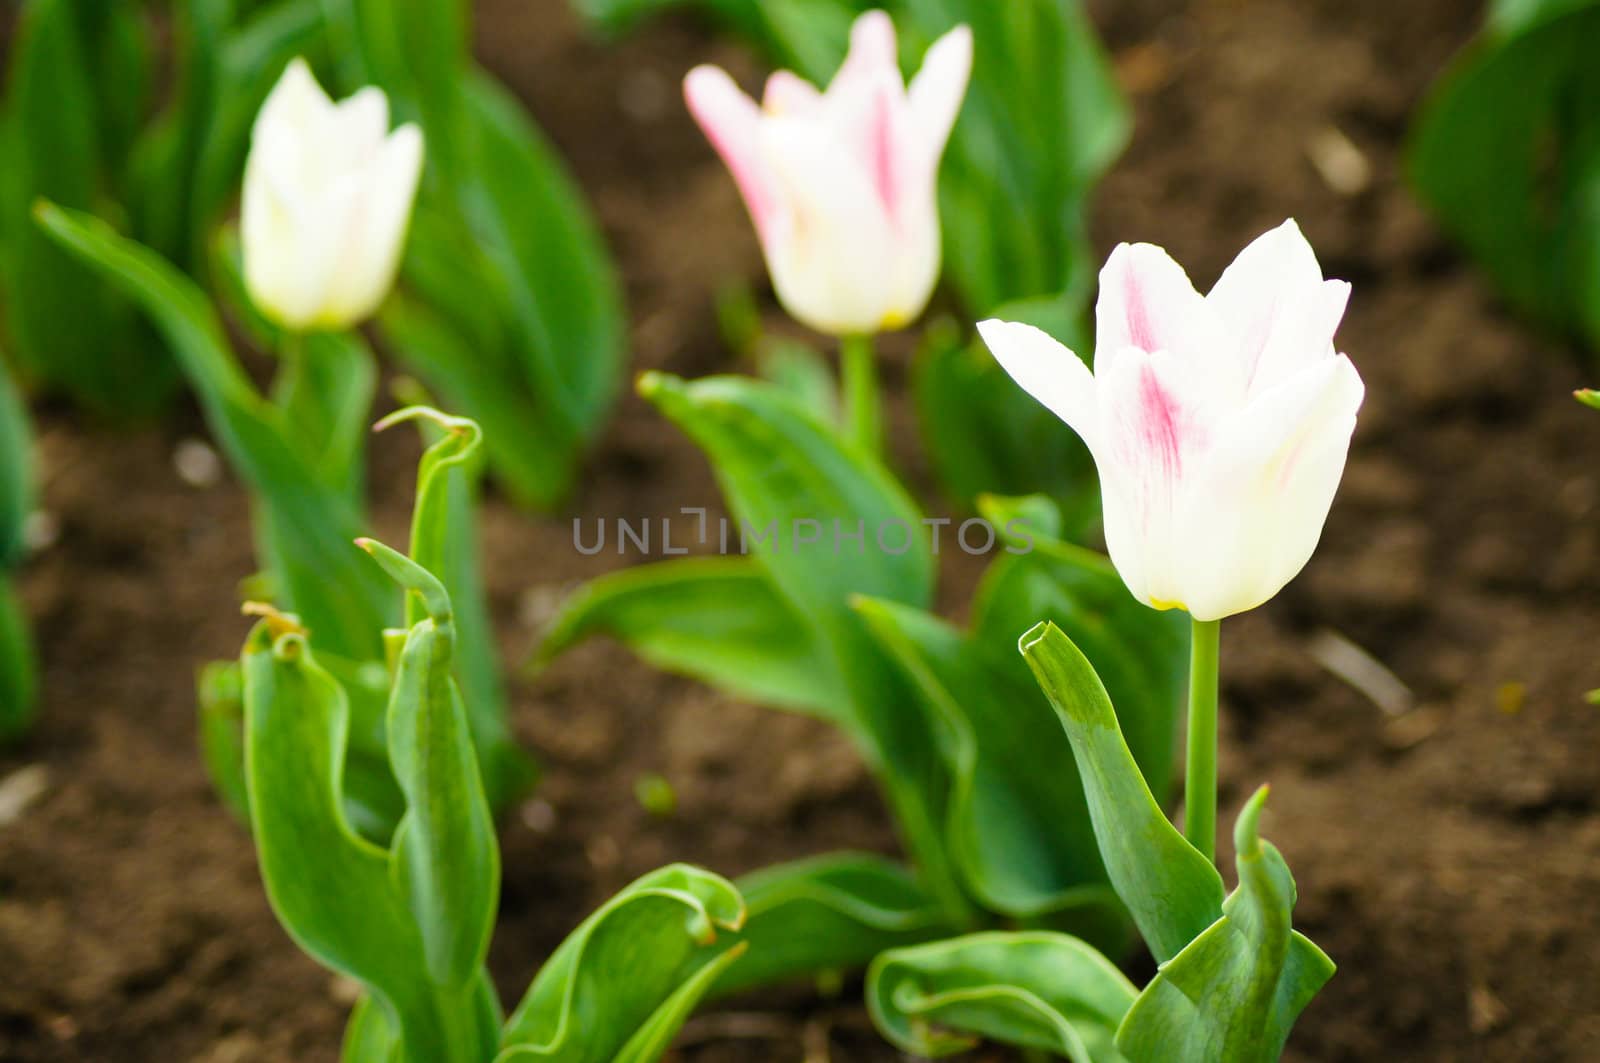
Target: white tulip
x: 842, y: 183
x: 328, y: 192
x: 1220, y: 424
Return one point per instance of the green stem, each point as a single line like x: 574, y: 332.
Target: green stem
x: 1200, y: 778
x: 863, y: 403
x: 290, y: 381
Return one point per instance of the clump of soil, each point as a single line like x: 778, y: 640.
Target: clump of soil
x: 1448, y: 856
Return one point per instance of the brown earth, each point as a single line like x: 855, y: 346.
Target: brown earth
x: 1448, y: 858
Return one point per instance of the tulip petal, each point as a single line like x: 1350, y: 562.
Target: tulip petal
x: 1254, y: 513
x: 1047, y: 370
x: 1147, y: 303
x: 732, y: 122
x: 833, y: 207
x: 1277, y: 305
x: 296, y: 101
x: 353, y: 130
x: 789, y: 94
x: 377, y: 230
x: 873, y: 51
x: 1155, y: 428
x: 939, y: 89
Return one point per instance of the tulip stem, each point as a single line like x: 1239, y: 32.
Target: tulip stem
x: 1200, y: 778
x: 863, y: 403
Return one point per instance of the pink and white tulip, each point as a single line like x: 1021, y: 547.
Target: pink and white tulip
x: 841, y: 184
x: 328, y: 191
x: 1220, y: 424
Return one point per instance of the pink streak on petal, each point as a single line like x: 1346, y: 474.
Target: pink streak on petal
x: 1136, y: 308
x: 732, y: 122
x: 881, y: 144
x: 1160, y: 424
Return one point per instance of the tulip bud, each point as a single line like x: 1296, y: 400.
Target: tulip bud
x: 327, y: 200
x: 1220, y: 424
x: 842, y: 184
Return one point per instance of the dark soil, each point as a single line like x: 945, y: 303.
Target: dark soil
x: 1448, y: 857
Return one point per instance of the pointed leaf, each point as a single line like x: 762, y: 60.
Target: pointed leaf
x: 1172, y: 891
x: 445, y: 850
x: 444, y: 539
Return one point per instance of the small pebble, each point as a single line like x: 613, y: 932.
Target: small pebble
x: 21, y: 789
x: 197, y: 464
x: 1343, y: 167
x: 40, y: 531
x: 603, y: 853
x: 539, y: 816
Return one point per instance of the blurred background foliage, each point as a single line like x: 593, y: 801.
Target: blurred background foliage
x: 1506, y: 153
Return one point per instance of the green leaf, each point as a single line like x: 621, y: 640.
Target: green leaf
x: 548, y: 245
x: 1589, y: 397
x: 1506, y: 153
x: 1034, y: 990
x: 1508, y: 17
x: 1042, y: 122
x: 1017, y: 826
x: 71, y: 330
x: 719, y: 620
x: 829, y: 913
x: 444, y: 539
x: 18, y: 678
x: 657, y: 1032
x: 16, y: 470
x: 220, y: 695
x: 827, y: 523
x: 780, y: 468
x: 803, y: 374
x: 1172, y: 891
x: 529, y: 340
x: 325, y: 390
x: 444, y: 849
x: 984, y: 434
x: 1140, y: 654
x: 1233, y: 994
x: 624, y: 971
x: 368, y: 1036
x: 343, y: 906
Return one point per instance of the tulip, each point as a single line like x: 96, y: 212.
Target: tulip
x: 841, y: 184
x: 328, y: 191
x: 1220, y: 425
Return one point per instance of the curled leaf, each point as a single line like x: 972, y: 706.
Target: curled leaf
x: 625, y: 972
x: 1032, y: 990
